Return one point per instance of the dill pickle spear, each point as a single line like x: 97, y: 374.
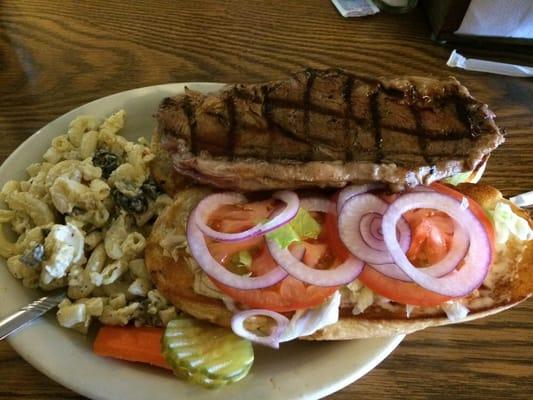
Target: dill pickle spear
x: 206, y: 354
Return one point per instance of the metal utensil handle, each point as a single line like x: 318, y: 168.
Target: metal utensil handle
x: 523, y: 200
x: 25, y: 315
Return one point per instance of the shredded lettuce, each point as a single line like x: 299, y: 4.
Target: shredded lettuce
x: 455, y: 310
x: 284, y: 236
x: 303, y: 226
x: 306, y: 322
x: 507, y: 223
x: 458, y: 178
x: 468, y: 176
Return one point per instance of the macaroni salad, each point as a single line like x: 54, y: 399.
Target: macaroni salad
x: 81, y: 219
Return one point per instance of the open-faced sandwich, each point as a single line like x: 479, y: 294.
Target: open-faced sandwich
x: 320, y: 207
x: 322, y: 217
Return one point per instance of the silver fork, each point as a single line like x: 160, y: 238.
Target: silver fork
x: 27, y: 314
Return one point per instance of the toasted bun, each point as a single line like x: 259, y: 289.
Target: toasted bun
x: 162, y: 168
x: 171, y: 275
x: 170, y: 271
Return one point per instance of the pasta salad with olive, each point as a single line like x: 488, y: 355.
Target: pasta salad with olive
x: 81, y: 221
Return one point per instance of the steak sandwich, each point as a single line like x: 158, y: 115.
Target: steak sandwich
x: 335, y: 226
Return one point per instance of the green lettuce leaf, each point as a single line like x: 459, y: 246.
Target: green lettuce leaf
x: 458, y: 178
x: 303, y: 226
x: 507, y: 223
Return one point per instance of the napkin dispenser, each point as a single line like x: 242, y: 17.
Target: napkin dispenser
x: 508, y: 21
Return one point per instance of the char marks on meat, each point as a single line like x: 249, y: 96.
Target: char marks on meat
x: 327, y: 128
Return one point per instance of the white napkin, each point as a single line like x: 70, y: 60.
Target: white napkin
x: 501, y: 18
x: 472, y: 64
x: 355, y: 8
x: 523, y: 200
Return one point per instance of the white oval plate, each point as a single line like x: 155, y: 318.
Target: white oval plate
x: 298, y: 370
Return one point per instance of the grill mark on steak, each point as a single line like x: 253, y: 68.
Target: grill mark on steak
x: 376, y: 124
x: 348, y: 114
x: 411, y: 151
x: 230, y: 106
x: 465, y: 118
x: 191, y: 121
x: 439, y: 134
x: 422, y: 140
x: 265, y: 113
x: 291, y: 135
x: 311, y: 75
x: 313, y: 108
x: 328, y: 128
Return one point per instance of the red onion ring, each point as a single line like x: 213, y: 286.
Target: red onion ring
x: 291, y: 260
x: 477, y: 261
x: 370, y: 229
x: 200, y: 252
x: 272, y: 340
x: 458, y: 249
x: 209, y: 204
x: 350, y: 226
x: 341, y: 275
x: 350, y: 191
x: 375, y: 228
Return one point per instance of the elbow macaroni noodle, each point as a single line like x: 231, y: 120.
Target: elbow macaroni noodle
x: 71, y: 233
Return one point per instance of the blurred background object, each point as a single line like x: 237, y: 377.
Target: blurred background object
x: 396, y: 6
x: 505, y: 21
x: 355, y: 8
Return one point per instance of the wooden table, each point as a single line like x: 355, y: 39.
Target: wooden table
x: 57, y: 55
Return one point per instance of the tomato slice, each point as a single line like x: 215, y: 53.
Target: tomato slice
x: 432, y: 234
x: 288, y: 295
x: 331, y: 234
x: 314, y: 253
x: 396, y: 290
x: 476, y: 209
x: 431, y: 237
x: 400, y: 291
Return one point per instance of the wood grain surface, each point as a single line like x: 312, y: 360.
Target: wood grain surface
x: 57, y: 55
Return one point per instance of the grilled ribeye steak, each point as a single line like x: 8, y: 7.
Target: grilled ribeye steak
x: 327, y: 128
